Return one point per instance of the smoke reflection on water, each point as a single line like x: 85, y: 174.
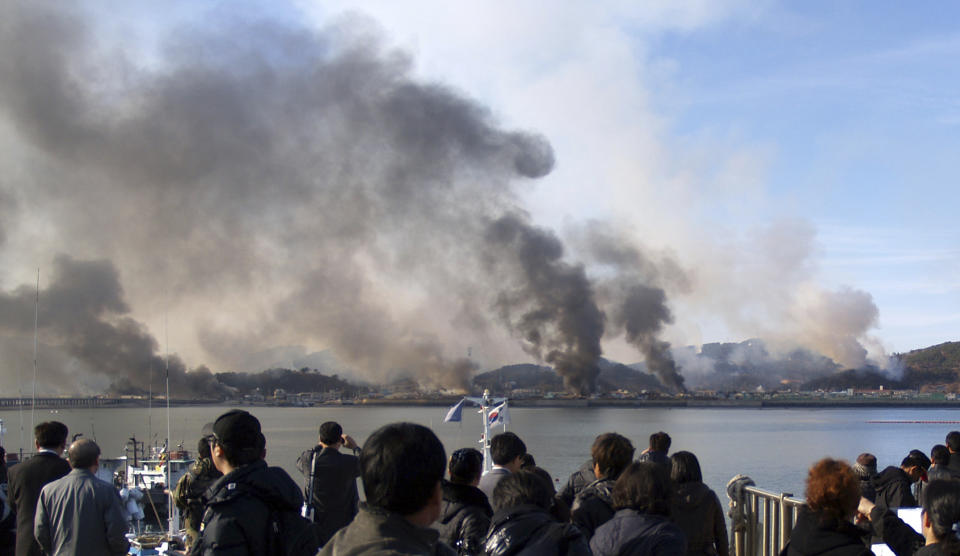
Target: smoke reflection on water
x: 773, y: 446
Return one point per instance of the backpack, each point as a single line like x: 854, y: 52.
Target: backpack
x: 290, y: 534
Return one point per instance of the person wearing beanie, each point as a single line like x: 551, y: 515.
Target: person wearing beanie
x: 240, y: 504
x: 866, y: 469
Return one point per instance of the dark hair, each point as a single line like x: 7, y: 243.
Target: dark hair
x: 612, y: 453
x: 330, y: 432
x: 545, y: 475
x: 83, y: 453
x: 940, y: 455
x: 522, y: 488
x: 941, y: 503
x: 506, y: 447
x: 833, y: 489
x: 466, y: 465
x: 50, y: 434
x: 918, y: 458
x: 644, y: 486
x: 527, y: 461
x: 953, y: 441
x: 203, y: 448
x: 660, y: 442
x: 684, y: 468
x: 401, y: 465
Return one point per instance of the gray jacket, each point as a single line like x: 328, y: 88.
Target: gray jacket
x: 375, y: 532
x: 489, y: 481
x: 80, y: 514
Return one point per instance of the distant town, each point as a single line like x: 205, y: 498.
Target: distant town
x: 740, y: 375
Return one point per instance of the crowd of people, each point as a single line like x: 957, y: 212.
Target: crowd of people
x: 418, y: 501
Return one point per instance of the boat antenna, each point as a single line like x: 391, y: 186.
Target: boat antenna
x: 150, y: 404
x: 166, y: 333
x: 36, y: 323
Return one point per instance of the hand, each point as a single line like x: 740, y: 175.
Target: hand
x: 349, y: 442
x: 864, y: 509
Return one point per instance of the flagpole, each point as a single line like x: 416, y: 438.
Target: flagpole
x: 484, y: 410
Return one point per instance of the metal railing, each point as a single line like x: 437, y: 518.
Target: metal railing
x: 768, y: 520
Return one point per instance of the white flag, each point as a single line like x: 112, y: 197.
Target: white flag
x: 455, y: 414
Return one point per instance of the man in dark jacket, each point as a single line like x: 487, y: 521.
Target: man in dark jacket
x: 401, y: 466
x: 953, y: 445
x: 240, y: 504
x: 335, y: 498
x: 522, y: 525
x: 940, y: 465
x: 465, y: 517
x: 577, y: 481
x: 657, y: 452
x: 893, y: 483
x: 79, y: 513
x: 611, y: 453
x: 26, y: 479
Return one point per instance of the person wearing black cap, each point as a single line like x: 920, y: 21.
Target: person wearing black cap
x: 893, y: 483
x: 402, y: 469
x: 335, y: 498
x: 189, y: 494
x: 242, y: 503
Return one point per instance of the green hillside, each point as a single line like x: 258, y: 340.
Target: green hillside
x: 939, y: 364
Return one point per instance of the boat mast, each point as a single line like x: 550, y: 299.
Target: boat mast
x: 150, y: 404
x: 166, y: 333
x: 36, y: 322
x: 485, y: 410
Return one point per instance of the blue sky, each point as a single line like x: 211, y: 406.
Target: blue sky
x: 859, y: 104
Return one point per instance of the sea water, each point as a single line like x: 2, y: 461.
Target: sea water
x: 775, y: 447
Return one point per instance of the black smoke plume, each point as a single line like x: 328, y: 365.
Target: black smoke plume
x: 274, y: 184
x: 280, y: 185
x: 548, y: 302
x: 632, y: 286
x: 83, y: 314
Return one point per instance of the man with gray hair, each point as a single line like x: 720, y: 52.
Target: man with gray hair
x: 80, y: 514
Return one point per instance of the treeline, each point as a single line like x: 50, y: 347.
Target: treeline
x: 289, y: 380
x: 939, y: 364
x: 920, y: 369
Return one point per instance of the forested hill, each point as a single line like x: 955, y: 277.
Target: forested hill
x: 936, y: 364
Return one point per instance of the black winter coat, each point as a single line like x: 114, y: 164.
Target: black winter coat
x: 867, y: 489
x: 335, y: 497
x: 942, y: 473
x: 238, y: 510
x: 813, y: 537
x: 531, y: 531
x: 697, y: 511
x: 464, y: 518
x: 631, y: 533
x: 893, y: 489
x: 26, y: 480
x: 578, y: 481
x: 593, y: 506
x: 900, y: 537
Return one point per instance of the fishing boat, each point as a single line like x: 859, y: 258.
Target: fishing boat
x: 154, y: 471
